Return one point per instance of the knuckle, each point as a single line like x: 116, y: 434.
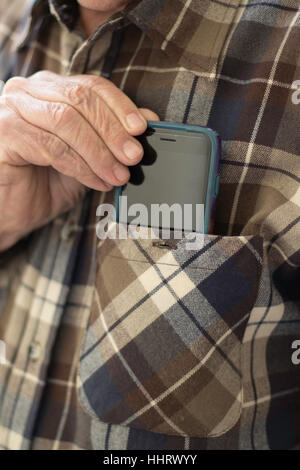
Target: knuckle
x: 76, y: 93
x: 60, y: 113
x: 4, y: 123
x: 8, y: 114
x: 5, y: 102
x: 42, y: 74
x: 92, y: 81
x: 8, y: 100
x: 12, y: 84
x: 99, y: 84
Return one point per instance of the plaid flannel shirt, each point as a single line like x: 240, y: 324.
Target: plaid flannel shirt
x: 125, y: 345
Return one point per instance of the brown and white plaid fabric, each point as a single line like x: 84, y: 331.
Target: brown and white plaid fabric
x: 125, y: 345
x: 163, y: 346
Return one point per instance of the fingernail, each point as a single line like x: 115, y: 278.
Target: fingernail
x: 134, y: 121
x: 132, y: 150
x: 121, y: 173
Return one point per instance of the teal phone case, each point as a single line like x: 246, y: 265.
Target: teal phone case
x: 213, y: 177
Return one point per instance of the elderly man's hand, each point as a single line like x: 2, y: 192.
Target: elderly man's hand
x: 60, y: 135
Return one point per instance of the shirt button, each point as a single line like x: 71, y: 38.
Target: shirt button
x: 35, y: 350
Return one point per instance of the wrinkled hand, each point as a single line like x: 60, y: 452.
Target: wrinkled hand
x: 60, y: 135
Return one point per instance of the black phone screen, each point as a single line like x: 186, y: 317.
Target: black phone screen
x: 174, y: 170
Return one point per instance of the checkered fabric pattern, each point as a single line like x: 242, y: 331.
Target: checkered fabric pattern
x: 162, y: 350
x: 125, y: 345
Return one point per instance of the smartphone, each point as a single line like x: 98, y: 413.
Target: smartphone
x: 180, y: 166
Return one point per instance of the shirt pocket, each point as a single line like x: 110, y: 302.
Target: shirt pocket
x: 162, y: 349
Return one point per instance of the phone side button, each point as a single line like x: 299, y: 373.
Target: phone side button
x: 217, y: 185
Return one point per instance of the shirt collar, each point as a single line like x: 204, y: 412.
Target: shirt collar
x: 35, y: 12
x: 193, y: 36
x: 65, y: 11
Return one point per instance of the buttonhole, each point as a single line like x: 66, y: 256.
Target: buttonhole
x: 170, y: 244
